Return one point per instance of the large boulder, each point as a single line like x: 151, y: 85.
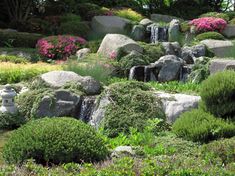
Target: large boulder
x: 172, y: 48
x: 163, y: 18
x: 171, y: 67
x: 64, y: 103
x: 110, y: 24
x: 113, y: 42
x: 175, y: 104
x: 190, y: 53
x: 229, y: 31
x: 58, y: 79
x: 138, y: 33
x: 83, y: 53
x: 219, y: 47
x: 218, y: 65
x: 146, y: 22
x: 174, y: 30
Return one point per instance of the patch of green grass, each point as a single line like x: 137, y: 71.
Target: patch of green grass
x: 4, y: 135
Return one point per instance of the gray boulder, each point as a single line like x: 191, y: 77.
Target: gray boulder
x: 190, y: 53
x: 113, y: 42
x: 175, y: 104
x: 172, y: 48
x: 171, y: 67
x: 90, y: 85
x: 57, y: 79
x: 110, y: 24
x: 229, y: 31
x: 174, y: 30
x: 218, y: 65
x: 122, y: 151
x: 146, y: 22
x: 138, y: 33
x: 219, y: 47
x: 63, y: 103
x: 163, y: 18
x: 83, y: 53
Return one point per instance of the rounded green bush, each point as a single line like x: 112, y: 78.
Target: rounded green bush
x: 11, y: 121
x: 76, y: 28
x: 210, y: 35
x: 55, y: 141
x: 200, y: 126
x: 222, y: 149
x: 232, y: 21
x: 131, y: 106
x: 216, y: 15
x: 218, y: 94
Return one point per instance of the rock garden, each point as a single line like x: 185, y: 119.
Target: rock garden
x: 103, y: 88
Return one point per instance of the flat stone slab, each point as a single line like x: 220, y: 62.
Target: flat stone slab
x: 229, y: 31
x: 220, y: 48
x: 218, y: 65
x: 110, y: 24
x: 176, y: 104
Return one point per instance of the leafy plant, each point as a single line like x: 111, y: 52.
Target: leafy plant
x: 200, y: 126
x: 55, y: 140
x: 210, y: 35
x: 217, y: 93
x: 129, y: 14
x: 11, y: 121
x: 216, y: 15
x: 13, y: 59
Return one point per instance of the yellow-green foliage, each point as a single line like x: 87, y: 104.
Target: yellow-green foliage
x: 129, y: 14
x: 13, y: 73
x: 13, y: 59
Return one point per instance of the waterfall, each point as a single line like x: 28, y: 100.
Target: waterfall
x: 159, y: 33
x: 132, y: 73
x: 87, y: 107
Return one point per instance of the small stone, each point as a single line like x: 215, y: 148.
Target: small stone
x: 83, y: 53
x: 123, y: 151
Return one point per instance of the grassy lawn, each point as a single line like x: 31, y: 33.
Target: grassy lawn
x: 4, y: 135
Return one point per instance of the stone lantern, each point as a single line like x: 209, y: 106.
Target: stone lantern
x: 8, y: 104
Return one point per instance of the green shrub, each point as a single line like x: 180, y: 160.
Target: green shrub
x: 184, y: 26
x: 129, y: 14
x: 200, y: 126
x: 11, y: 121
x: 153, y: 51
x: 70, y: 17
x: 131, y: 106
x: 74, y: 28
x: 18, y: 39
x: 93, y: 45
x: 231, y: 14
x: 218, y: 94
x: 232, y: 21
x: 13, y: 59
x: 216, y: 15
x: 55, y: 140
x: 210, y: 35
x: 222, y: 149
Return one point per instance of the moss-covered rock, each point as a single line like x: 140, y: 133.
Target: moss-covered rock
x: 132, y: 104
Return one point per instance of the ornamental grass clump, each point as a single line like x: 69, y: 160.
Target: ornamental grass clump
x: 59, y: 47
x: 55, y: 141
x: 206, y: 24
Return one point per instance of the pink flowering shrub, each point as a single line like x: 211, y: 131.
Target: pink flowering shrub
x: 113, y: 55
x: 59, y: 47
x: 206, y: 24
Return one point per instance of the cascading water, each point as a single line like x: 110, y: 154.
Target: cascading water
x: 87, y: 107
x: 158, y: 33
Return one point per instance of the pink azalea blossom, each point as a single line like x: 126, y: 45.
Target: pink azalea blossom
x: 59, y: 47
x: 206, y: 24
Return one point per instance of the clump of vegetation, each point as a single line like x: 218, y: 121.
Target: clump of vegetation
x: 216, y: 15
x: 200, y: 126
x: 210, y: 35
x: 131, y: 106
x: 55, y: 140
x: 184, y: 26
x: 217, y: 93
x: 221, y: 149
x: 129, y: 14
x: 152, y: 51
x: 18, y: 39
x: 13, y: 59
x: 92, y: 65
x: 11, y: 121
x: 93, y: 45
x: 14, y: 73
